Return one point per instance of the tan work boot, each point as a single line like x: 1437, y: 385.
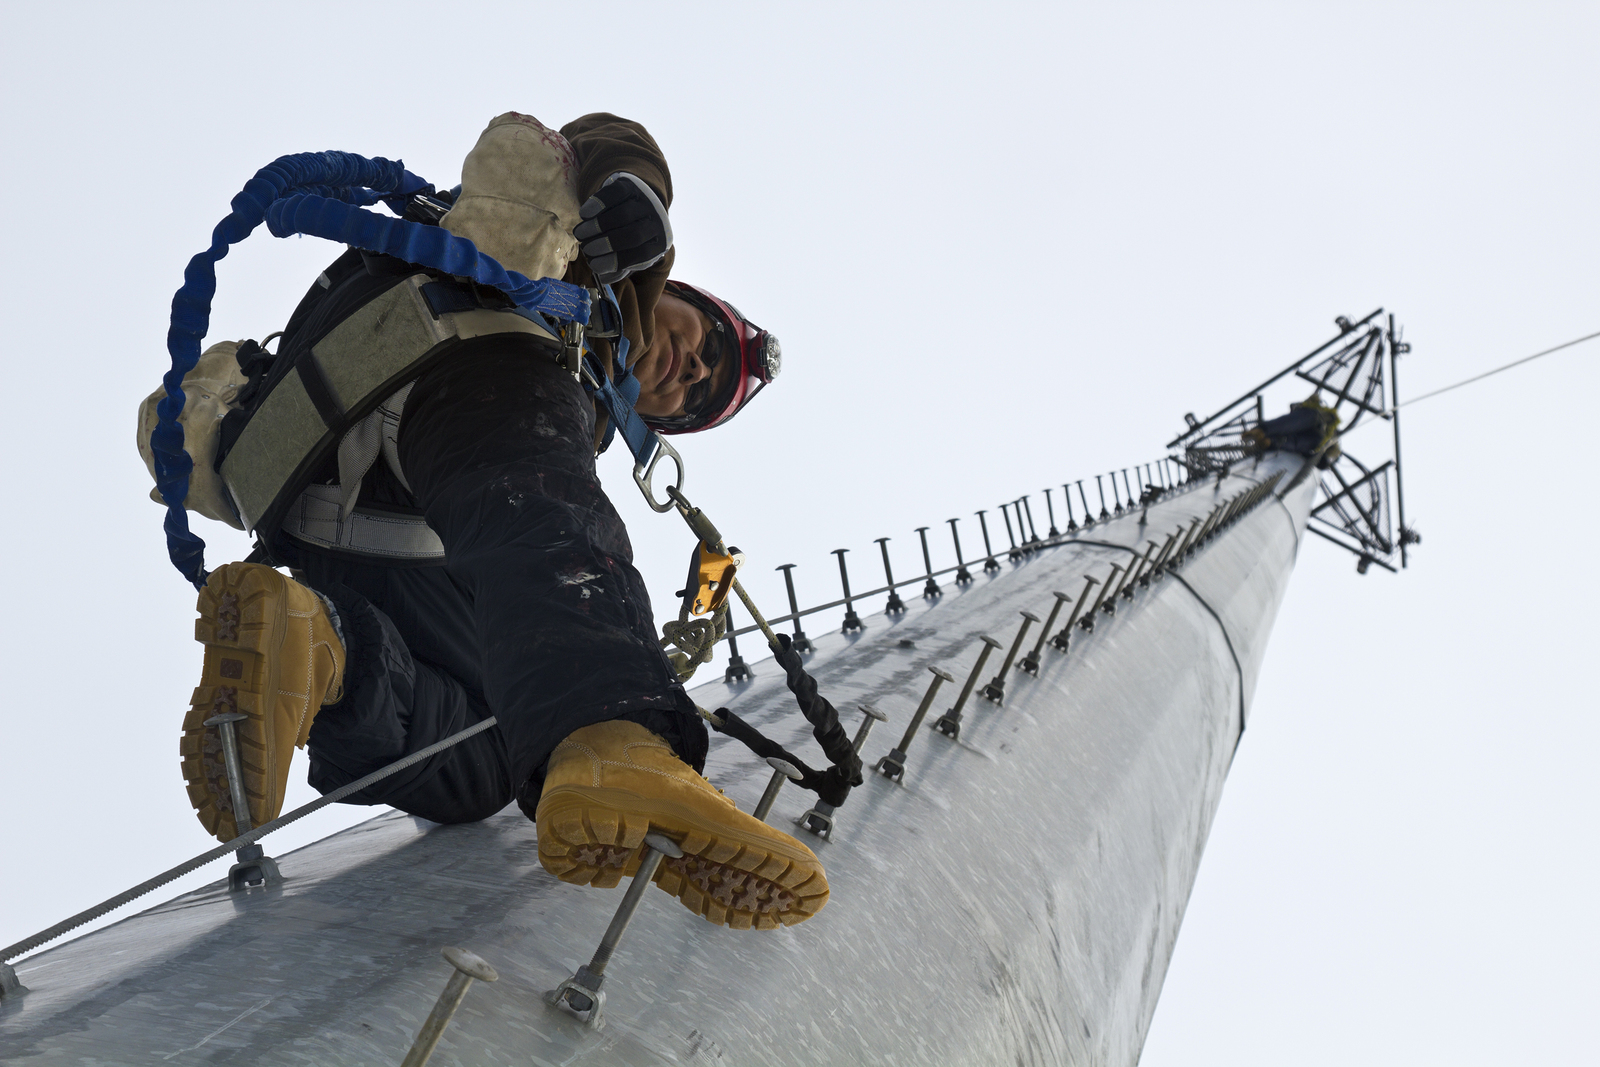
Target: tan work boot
x: 609, y: 784
x: 271, y: 654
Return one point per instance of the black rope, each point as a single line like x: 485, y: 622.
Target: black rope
x: 832, y: 785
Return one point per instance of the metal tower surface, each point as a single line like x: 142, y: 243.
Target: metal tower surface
x: 1013, y: 899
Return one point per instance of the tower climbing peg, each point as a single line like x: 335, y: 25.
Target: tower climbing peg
x: 1088, y: 516
x: 1033, y: 532
x: 995, y: 691
x: 989, y: 563
x: 782, y: 771
x: 1138, y: 569
x: 930, y: 588
x: 895, y: 605
x: 1050, y: 504
x: 1015, y: 553
x: 1158, y: 568
x: 254, y: 866
x: 1099, y: 485
x: 1066, y: 491
x: 893, y: 766
x: 1030, y: 662
x: 1087, y: 622
x: 819, y: 820
x: 469, y: 966
x: 738, y: 670
x: 799, y: 642
x: 581, y: 995
x: 1063, y: 640
x: 852, y: 621
x: 949, y: 723
x: 1109, y: 606
x: 963, y: 576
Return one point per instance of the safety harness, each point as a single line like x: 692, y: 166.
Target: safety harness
x: 347, y: 387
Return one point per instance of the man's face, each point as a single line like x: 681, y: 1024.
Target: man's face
x: 674, y: 360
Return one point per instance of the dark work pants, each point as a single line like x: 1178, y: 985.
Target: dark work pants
x: 538, y: 616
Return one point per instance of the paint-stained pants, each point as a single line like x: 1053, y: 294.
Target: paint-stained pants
x: 538, y: 617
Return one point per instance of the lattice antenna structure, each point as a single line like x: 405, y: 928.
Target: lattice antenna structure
x: 1354, y: 375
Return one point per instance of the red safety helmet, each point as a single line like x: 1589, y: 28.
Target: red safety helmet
x: 754, y: 355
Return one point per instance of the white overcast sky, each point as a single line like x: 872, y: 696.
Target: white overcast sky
x: 1004, y: 246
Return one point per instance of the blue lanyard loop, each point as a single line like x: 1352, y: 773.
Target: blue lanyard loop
x: 617, y: 395
x: 323, y: 194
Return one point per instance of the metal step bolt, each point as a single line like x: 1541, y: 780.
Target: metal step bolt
x: 1033, y: 531
x: 1051, y: 506
x: 893, y: 766
x: 963, y: 576
x: 1015, y: 553
x: 930, y: 588
x: 1030, y: 662
x: 581, y: 995
x: 852, y: 621
x: 1165, y: 555
x: 799, y: 642
x: 995, y: 691
x: 782, y: 771
x: 949, y: 723
x: 254, y: 866
x: 469, y: 966
x: 1063, y: 640
x: 895, y: 605
x: 1110, y: 607
x: 1138, y: 571
x: 819, y: 820
x: 1099, y: 485
x: 738, y: 670
x: 1087, y: 622
x: 1066, y: 491
x: 989, y: 563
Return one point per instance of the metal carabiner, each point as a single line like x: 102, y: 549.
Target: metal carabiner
x: 643, y: 473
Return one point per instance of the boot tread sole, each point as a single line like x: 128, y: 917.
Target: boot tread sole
x: 735, y: 878
x: 241, y: 626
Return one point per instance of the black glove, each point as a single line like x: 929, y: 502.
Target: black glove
x: 624, y: 228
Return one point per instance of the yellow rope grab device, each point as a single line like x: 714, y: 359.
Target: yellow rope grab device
x: 713, y: 574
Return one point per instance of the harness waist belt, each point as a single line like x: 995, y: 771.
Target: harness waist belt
x: 314, y: 517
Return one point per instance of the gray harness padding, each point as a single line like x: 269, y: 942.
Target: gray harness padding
x: 333, y: 389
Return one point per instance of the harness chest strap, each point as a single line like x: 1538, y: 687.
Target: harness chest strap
x: 333, y: 400
x: 328, y: 516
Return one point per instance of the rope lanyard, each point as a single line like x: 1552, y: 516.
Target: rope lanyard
x: 320, y: 194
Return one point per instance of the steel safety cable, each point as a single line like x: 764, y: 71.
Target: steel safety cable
x: 1497, y: 370
x: 1485, y: 374
x: 44, y: 937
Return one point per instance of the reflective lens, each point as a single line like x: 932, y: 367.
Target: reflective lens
x: 713, y: 354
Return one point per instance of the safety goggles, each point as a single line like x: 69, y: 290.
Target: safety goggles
x: 742, y: 358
